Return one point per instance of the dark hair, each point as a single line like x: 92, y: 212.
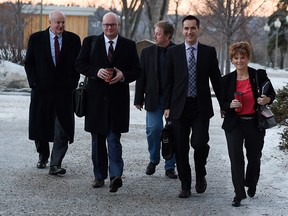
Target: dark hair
x: 167, y: 27
x: 191, y: 17
x: 242, y: 48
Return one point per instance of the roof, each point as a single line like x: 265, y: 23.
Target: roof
x: 67, y: 10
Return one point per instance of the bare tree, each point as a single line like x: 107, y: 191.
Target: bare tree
x: 130, y: 16
x: 12, y: 25
x: 228, y: 17
x: 281, y: 14
x: 155, y: 11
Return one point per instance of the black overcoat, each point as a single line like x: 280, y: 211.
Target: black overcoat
x: 108, y: 106
x: 52, y: 86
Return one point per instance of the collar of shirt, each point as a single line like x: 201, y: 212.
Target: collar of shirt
x: 52, y: 35
x: 108, y: 44
x: 187, y: 48
x: 52, y: 48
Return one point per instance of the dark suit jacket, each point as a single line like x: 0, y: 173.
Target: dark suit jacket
x: 176, y: 81
x: 147, y: 85
x: 52, y: 86
x: 228, y: 87
x: 108, y: 105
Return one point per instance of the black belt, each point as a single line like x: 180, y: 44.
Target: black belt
x: 189, y: 99
x: 247, y: 117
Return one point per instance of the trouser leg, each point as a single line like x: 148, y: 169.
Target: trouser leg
x: 235, y: 150
x: 43, y: 150
x: 254, y: 144
x: 154, y: 126
x: 116, y: 162
x: 60, y: 145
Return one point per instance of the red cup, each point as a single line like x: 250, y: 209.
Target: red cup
x: 238, y: 96
x: 110, y: 74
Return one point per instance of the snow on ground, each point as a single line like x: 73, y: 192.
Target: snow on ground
x: 25, y: 190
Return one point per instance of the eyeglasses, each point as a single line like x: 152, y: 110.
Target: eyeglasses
x: 112, y: 25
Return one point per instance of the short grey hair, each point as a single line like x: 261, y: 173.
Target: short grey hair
x: 52, y: 13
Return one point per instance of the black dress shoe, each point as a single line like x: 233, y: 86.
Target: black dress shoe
x: 54, y: 170
x: 236, y: 202
x: 98, y: 183
x: 150, y: 170
x: 171, y: 174
x: 184, y: 194
x: 41, y: 164
x: 115, y: 184
x: 251, y: 191
x: 201, y: 184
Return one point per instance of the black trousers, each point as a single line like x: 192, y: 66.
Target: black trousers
x: 191, y: 121
x: 60, y: 146
x: 248, y: 135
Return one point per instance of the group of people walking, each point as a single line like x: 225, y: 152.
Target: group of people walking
x: 172, y: 81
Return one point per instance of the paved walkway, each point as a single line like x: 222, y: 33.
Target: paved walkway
x: 25, y: 190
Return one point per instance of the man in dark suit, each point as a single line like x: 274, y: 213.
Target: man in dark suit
x: 149, y: 91
x: 49, y: 66
x: 108, y: 104
x: 187, y: 102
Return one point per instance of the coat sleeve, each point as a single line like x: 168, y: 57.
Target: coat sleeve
x: 29, y: 63
x: 263, y: 80
x: 140, y: 82
x: 168, y: 80
x: 133, y: 70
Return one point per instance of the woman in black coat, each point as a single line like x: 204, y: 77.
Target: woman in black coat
x: 240, y: 119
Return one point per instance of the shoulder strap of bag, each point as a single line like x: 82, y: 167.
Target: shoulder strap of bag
x: 257, y: 83
x: 94, y: 39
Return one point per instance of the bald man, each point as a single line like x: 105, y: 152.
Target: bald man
x: 49, y: 66
x: 108, y: 97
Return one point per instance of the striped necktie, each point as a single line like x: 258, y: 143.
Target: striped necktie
x: 110, y: 51
x: 192, y: 90
x: 57, y: 49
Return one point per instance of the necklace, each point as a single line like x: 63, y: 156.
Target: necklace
x: 242, y: 76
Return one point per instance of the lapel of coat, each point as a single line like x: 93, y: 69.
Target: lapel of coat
x: 252, y: 79
x: 182, y: 55
x: 47, y: 46
x: 154, y: 58
x: 119, y: 46
x: 200, y: 56
x: 100, y: 46
x: 64, y: 47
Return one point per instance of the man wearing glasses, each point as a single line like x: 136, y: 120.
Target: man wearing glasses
x: 110, y: 62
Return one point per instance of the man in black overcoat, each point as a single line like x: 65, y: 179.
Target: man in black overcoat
x: 49, y: 66
x: 108, y: 101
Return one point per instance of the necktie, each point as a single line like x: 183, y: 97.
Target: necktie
x: 57, y: 48
x: 110, y: 51
x: 192, y: 90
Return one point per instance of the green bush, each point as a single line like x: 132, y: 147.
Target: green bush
x: 280, y: 110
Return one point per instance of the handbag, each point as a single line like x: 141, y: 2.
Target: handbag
x: 167, y: 141
x: 265, y: 116
x: 80, y: 98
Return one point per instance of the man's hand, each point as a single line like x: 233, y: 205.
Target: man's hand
x: 118, y: 78
x: 166, y: 113
x: 139, y: 107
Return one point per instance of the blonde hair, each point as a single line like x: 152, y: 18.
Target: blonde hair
x: 242, y: 48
